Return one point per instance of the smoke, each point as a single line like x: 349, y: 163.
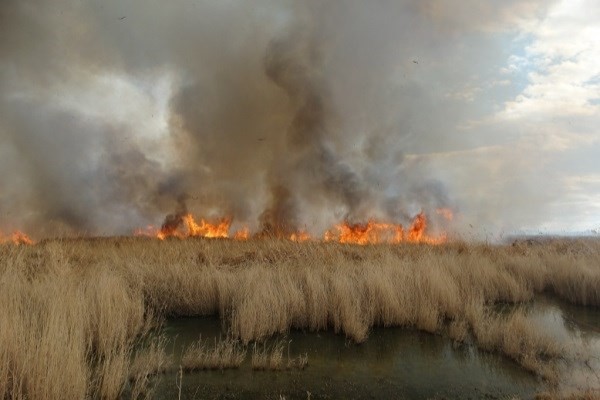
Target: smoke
x: 281, y: 115
x: 310, y: 166
x: 173, y: 221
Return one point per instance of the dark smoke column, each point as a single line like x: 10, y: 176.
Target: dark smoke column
x: 308, y: 165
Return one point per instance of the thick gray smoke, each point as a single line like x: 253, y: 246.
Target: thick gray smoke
x: 282, y: 115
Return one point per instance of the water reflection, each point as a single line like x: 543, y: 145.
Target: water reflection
x: 392, y: 363
x: 578, y: 329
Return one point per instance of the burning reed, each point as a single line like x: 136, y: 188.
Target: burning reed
x: 71, y: 312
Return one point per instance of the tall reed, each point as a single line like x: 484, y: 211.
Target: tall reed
x: 72, y: 311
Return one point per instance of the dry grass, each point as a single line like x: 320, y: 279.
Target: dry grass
x: 223, y: 354
x: 65, y: 331
x: 271, y: 357
x: 72, y: 311
x: 514, y: 336
x: 149, y: 361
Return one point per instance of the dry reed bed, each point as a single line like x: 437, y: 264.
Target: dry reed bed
x: 271, y: 357
x: 72, y: 310
x: 65, y: 331
x: 223, y: 354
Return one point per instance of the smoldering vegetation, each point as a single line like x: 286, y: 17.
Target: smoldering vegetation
x: 72, y: 311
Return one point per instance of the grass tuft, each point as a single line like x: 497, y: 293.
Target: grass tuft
x: 72, y: 311
x: 223, y: 354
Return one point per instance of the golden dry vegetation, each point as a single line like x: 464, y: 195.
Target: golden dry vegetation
x: 222, y: 354
x: 265, y: 357
x: 72, y: 312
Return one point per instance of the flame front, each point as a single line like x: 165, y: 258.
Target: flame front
x: 17, y: 237
x: 371, y: 232
x: 191, y: 228
x: 206, y: 229
x: 300, y: 236
x: 374, y: 232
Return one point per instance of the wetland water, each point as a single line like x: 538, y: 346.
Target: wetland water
x: 392, y: 363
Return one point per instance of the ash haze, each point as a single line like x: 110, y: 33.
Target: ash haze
x: 299, y: 114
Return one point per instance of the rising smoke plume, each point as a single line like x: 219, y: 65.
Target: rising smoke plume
x: 281, y: 115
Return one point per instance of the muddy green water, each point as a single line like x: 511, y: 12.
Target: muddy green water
x: 393, y: 363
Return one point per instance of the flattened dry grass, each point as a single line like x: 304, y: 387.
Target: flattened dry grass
x: 72, y: 310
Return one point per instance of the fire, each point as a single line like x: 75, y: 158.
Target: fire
x: 418, y: 232
x: 206, y: 229
x: 382, y: 232
x: 371, y: 232
x: 300, y: 236
x: 189, y: 227
x: 417, y: 229
x: 17, y: 237
x: 242, y: 234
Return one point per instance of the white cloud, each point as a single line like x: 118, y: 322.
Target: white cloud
x: 579, y: 209
x: 564, y: 64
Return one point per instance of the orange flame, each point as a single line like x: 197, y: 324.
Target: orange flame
x: 242, y: 234
x: 206, y: 229
x: 371, y: 232
x: 191, y: 228
x: 418, y: 232
x: 300, y: 236
x: 17, y: 237
x: 382, y: 232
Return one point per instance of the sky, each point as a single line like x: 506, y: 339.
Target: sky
x: 300, y: 114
